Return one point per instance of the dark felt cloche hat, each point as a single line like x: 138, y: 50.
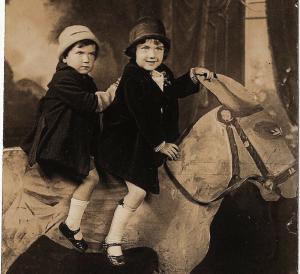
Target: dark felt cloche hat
x: 147, y: 28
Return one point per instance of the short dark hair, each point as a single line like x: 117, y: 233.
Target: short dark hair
x: 80, y: 44
x: 131, y: 51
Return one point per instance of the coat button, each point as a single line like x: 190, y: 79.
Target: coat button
x: 161, y: 110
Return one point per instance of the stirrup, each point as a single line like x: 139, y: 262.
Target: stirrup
x: 114, y: 260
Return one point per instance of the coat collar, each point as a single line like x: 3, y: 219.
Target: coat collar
x: 63, y: 66
x: 132, y: 68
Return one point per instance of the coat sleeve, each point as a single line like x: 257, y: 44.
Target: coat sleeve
x: 105, y: 98
x: 146, y: 111
x: 67, y: 88
x: 183, y: 86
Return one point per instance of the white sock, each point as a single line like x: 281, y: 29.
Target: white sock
x: 119, y: 222
x: 77, y: 208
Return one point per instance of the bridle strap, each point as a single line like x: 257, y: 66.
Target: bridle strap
x: 236, y: 181
x: 235, y: 162
x: 251, y: 149
x: 234, y: 184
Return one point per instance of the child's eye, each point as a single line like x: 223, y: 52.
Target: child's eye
x: 160, y: 48
x: 145, y: 47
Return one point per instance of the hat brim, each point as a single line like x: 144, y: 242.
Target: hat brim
x: 75, y: 39
x: 163, y: 39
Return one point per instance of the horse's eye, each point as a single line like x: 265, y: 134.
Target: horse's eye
x: 268, y: 129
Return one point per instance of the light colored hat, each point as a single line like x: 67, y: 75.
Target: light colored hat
x: 73, y: 34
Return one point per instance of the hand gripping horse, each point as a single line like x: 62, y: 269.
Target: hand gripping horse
x: 234, y: 144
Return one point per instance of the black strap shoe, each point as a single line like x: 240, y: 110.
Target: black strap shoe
x: 114, y: 260
x: 80, y: 245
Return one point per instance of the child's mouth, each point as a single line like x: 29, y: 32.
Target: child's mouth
x: 151, y: 62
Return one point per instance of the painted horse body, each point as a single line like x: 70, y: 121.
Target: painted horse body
x: 177, y: 228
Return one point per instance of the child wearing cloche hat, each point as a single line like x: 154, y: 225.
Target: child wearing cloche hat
x: 141, y: 125
x: 62, y: 139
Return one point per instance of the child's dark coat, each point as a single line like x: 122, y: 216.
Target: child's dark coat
x: 140, y: 118
x: 61, y: 141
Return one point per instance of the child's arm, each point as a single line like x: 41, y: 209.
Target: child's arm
x: 105, y: 98
x: 146, y: 112
x: 67, y: 88
x: 188, y: 83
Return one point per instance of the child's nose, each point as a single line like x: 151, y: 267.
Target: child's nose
x: 151, y: 53
x: 85, y: 58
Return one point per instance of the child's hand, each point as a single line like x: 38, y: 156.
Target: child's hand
x: 105, y: 98
x: 208, y: 75
x: 171, y: 150
x: 116, y: 84
x: 112, y: 89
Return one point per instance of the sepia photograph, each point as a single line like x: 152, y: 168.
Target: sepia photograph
x: 150, y: 137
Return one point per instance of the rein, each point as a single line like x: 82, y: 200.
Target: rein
x: 226, y: 117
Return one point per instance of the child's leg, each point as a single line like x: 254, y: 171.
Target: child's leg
x: 84, y: 191
x: 123, y: 212
x: 79, y: 202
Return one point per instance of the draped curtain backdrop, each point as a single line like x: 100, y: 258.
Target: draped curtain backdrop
x: 282, y: 17
x: 202, y: 33
x: 185, y: 21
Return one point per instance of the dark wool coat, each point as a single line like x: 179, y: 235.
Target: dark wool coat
x: 61, y: 140
x: 140, y: 118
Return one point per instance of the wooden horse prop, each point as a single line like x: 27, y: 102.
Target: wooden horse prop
x: 233, y: 144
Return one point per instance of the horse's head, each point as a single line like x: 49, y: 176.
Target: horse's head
x: 235, y: 143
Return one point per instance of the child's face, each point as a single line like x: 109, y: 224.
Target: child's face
x: 150, y: 54
x: 81, y: 58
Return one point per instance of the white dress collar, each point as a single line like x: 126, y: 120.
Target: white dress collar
x: 158, y: 78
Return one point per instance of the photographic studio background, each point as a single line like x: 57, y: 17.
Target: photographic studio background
x: 254, y: 42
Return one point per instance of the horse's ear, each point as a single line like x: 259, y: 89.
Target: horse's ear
x: 231, y: 93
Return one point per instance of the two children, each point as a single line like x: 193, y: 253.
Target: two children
x: 63, y: 138
x: 141, y: 125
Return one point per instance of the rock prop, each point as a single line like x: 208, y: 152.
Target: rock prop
x: 47, y: 257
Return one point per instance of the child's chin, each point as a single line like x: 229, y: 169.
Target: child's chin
x: 150, y: 68
x: 84, y: 71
